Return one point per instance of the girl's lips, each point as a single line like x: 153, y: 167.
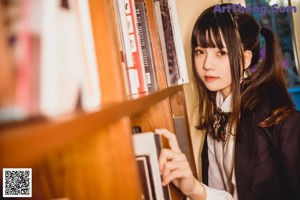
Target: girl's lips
x: 210, y: 78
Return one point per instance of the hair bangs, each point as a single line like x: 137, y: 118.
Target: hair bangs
x: 208, y: 34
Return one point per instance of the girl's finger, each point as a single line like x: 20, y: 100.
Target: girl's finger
x: 169, y: 155
x: 177, y: 174
x: 174, y: 165
x: 171, y: 139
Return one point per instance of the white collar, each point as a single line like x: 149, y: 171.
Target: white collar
x: 225, y: 105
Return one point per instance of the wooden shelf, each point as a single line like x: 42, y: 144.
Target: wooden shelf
x: 25, y: 145
x: 89, y: 155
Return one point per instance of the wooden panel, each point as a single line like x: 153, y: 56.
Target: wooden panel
x: 104, y: 166
x: 49, y: 177
x: 178, y: 104
x: 101, y: 166
x: 61, y: 132
x: 107, y: 52
x: 156, y: 116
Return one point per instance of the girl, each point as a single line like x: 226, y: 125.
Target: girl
x: 252, y: 145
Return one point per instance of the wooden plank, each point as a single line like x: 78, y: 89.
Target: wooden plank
x: 33, y: 141
x: 107, y: 52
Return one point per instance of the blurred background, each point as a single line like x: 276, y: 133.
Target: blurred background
x: 282, y: 23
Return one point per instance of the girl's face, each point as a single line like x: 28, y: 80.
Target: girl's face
x: 213, y: 68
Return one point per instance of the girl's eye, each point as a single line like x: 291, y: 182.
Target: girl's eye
x: 198, y: 52
x: 222, y: 53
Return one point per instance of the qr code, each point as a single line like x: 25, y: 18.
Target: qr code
x: 17, y: 182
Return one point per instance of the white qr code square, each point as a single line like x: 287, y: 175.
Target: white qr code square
x: 17, y: 182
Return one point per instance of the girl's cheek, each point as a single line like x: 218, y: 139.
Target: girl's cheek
x: 199, y: 69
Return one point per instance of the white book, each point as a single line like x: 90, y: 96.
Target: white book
x: 144, y: 144
x: 143, y: 163
x: 120, y: 5
x: 178, y: 43
x: 123, y: 29
x: 135, y: 45
x: 91, y: 92
x: 61, y: 59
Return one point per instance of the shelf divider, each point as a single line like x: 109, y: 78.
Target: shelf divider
x: 27, y: 144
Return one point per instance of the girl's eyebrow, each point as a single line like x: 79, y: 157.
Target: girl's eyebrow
x: 198, y: 47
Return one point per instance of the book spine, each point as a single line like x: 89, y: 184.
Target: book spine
x: 144, y: 168
x: 135, y: 45
x: 146, y: 46
x: 178, y: 43
x: 144, y: 144
x: 118, y: 8
x: 161, y: 35
x: 91, y: 93
x: 61, y: 59
x: 173, y: 68
x: 7, y: 69
x: 159, y: 147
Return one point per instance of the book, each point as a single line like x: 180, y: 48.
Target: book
x: 8, y: 110
x: 68, y: 68
x: 54, y: 57
x: 144, y: 168
x: 149, y: 144
x: 24, y: 44
x: 161, y: 35
x: 21, y: 45
x: 130, y: 11
x: 129, y: 72
x: 90, y: 88
x: 183, y: 74
x: 146, y: 45
x: 61, y: 58
x: 168, y: 42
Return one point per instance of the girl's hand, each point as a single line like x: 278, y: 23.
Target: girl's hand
x: 175, y: 168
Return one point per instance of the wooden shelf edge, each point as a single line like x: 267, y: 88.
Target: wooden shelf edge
x: 24, y: 146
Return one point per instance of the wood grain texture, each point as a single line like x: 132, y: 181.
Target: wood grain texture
x: 101, y: 166
x: 107, y: 52
x: 157, y: 52
x: 155, y: 116
x: 62, y: 132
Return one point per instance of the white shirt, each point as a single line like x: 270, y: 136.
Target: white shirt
x: 221, y: 176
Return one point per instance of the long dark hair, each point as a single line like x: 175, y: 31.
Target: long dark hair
x: 240, y: 32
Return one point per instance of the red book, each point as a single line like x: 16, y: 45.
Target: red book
x: 135, y: 45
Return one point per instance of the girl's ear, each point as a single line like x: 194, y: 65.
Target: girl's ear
x: 247, y: 58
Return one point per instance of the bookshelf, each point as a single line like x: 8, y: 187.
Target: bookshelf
x: 90, y: 155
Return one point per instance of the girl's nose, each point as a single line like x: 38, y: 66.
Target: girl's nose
x: 208, y: 64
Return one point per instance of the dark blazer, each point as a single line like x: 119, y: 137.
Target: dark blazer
x: 267, y: 160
